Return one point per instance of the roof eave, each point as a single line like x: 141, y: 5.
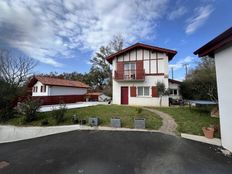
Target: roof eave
x: 209, y: 48
x: 170, y: 53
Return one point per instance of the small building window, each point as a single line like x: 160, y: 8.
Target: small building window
x: 36, y: 88
x: 43, y: 88
x: 173, y: 91
x: 143, y: 91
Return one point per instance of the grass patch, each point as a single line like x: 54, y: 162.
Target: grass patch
x: 191, y: 120
x: 103, y: 112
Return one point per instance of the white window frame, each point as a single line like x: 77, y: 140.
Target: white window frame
x: 43, y: 88
x: 172, y: 92
x: 36, y: 89
x: 149, y: 90
x: 130, y: 73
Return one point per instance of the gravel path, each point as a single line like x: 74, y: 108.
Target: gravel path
x: 169, y: 124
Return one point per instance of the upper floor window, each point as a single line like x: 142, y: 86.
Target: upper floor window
x: 129, y: 70
x: 143, y: 91
x: 43, y: 89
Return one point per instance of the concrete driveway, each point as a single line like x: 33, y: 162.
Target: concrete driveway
x: 110, y: 152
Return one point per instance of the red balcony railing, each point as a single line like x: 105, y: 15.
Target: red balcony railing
x: 129, y: 75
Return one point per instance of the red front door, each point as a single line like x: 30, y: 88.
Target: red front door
x: 124, y: 95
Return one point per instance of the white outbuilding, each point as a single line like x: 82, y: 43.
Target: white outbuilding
x: 54, y: 90
x: 220, y: 48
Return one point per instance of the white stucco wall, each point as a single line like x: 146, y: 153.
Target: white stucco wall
x: 58, y: 90
x: 223, y: 61
x: 142, y: 101
x: 163, y: 64
x: 38, y: 93
x: 149, y: 80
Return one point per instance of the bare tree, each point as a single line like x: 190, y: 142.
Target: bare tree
x: 15, y: 69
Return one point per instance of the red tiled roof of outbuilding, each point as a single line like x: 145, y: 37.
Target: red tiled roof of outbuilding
x: 57, y: 82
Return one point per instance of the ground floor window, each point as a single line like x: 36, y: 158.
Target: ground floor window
x: 173, y: 91
x: 143, y: 91
x: 43, y: 89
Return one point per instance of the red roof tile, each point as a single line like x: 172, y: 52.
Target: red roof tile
x: 57, y: 82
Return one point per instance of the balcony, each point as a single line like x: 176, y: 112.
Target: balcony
x: 138, y: 75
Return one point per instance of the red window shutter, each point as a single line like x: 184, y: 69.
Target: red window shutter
x: 120, y: 70
x: 154, y: 91
x: 139, y: 69
x: 133, y: 91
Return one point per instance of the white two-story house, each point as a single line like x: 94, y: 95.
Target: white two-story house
x: 136, y: 71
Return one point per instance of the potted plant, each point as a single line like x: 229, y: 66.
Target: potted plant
x: 208, y: 132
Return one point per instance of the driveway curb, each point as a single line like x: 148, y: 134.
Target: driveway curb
x: 214, y: 141
x: 14, y: 133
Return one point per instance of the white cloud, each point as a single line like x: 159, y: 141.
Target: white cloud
x: 201, y: 15
x: 177, y: 13
x: 178, y: 65
x: 49, y: 30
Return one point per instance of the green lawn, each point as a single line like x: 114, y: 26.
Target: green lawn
x: 104, y: 112
x: 191, y: 120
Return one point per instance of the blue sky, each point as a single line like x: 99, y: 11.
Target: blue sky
x: 62, y: 35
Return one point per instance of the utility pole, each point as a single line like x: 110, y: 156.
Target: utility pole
x: 185, y: 65
x: 172, y: 72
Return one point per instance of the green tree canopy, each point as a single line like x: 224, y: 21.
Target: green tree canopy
x: 100, y: 70
x: 200, y: 83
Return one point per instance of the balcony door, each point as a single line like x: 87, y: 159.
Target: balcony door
x: 124, y: 95
x: 130, y: 71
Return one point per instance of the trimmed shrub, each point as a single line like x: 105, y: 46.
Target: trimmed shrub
x: 75, y: 119
x: 8, y: 97
x: 44, y: 122
x: 28, y: 109
x: 58, y: 114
